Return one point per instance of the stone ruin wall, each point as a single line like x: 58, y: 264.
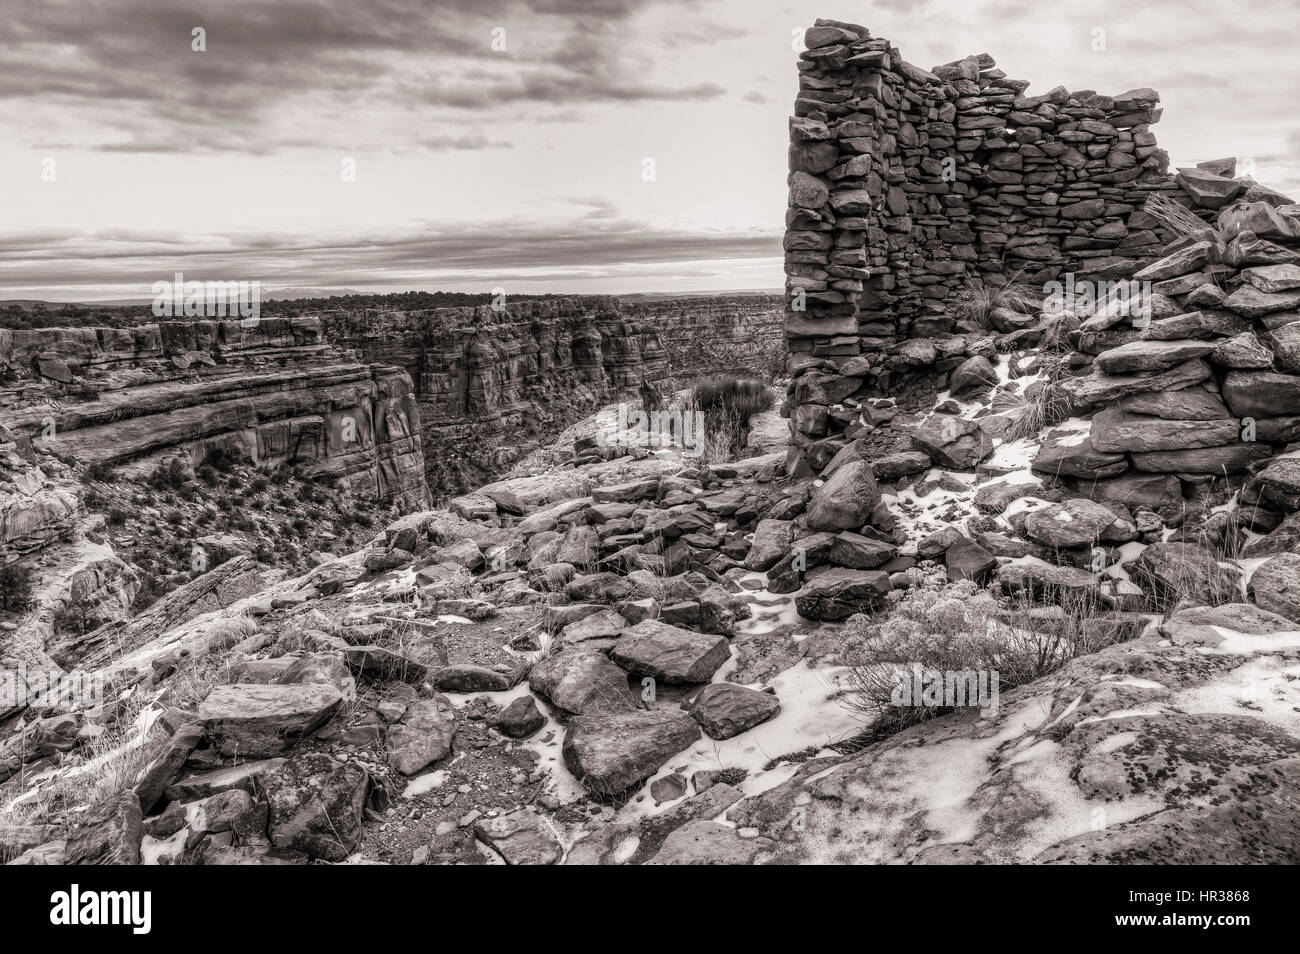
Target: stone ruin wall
x: 907, y: 185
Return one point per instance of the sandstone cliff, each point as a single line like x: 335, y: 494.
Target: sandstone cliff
x: 492, y: 386
x: 271, y: 390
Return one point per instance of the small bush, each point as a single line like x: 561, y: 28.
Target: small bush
x: 959, y: 628
x: 15, y: 587
x: 1041, y: 405
x: 221, y: 459
x: 728, y: 403
x: 169, y: 476
x: 743, y: 397
x: 102, y: 472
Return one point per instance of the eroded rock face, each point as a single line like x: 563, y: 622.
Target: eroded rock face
x: 493, y: 386
x: 273, y: 389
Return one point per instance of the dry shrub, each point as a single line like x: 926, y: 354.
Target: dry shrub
x: 978, y: 300
x: 100, y: 769
x: 728, y: 403
x: 958, y: 627
x: 1041, y: 405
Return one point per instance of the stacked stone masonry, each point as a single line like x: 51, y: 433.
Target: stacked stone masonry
x: 1206, y: 388
x: 909, y: 185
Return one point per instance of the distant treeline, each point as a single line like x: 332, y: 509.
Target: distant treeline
x: 127, y: 316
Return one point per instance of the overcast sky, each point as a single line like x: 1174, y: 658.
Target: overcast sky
x: 519, y: 167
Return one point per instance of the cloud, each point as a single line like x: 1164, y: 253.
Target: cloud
x: 456, y: 143
x: 419, y: 255
x: 268, y: 67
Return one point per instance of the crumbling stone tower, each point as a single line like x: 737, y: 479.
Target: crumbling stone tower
x: 906, y: 185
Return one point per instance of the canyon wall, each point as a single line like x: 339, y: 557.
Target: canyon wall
x: 391, y: 404
x: 272, y: 390
x: 908, y: 185
x: 494, y: 385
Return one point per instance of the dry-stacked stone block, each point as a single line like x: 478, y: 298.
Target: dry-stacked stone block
x: 1208, y: 387
x: 907, y: 185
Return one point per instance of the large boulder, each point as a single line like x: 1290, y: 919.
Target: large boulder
x: 1261, y: 393
x: 1068, y: 452
x: 1097, y: 388
x: 1229, y: 459
x: 1181, y: 261
x: 846, y: 500
x: 110, y: 836
x: 901, y: 464
x: 1115, y: 431
x: 520, y: 719
x: 521, y: 837
x: 972, y: 376
x: 833, y: 593
x: 772, y: 540
x: 600, y: 625
x: 1136, y: 490
x: 1074, y: 523
x: 1171, y: 572
x: 967, y: 560
x: 380, y: 662
x: 254, y: 720
x: 610, y: 752
x: 705, y: 842
x: 423, y: 736
x: 725, y: 709
x: 1275, y: 586
x: 1208, y: 190
x: 579, y: 681
x: 862, y: 553
x: 1253, y: 303
x: 1188, y: 404
x: 1279, y: 484
x: 1150, y: 355
x: 1243, y: 351
x: 1035, y: 578
x: 645, y: 489
x: 315, y: 805
x: 466, y: 677
x: 996, y: 496
x: 670, y: 654
x: 952, y: 441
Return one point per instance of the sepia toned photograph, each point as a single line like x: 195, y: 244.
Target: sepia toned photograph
x: 650, y: 432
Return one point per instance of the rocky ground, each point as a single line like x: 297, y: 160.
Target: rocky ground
x: 624, y: 656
